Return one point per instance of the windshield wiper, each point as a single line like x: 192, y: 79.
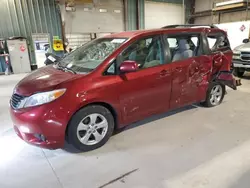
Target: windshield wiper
x: 69, y: 70
x: 65, y: 69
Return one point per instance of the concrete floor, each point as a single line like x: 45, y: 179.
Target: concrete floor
x: 191, y: 147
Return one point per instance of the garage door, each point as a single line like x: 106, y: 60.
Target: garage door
x: 162, y: 14
x: 103, y: 17
x: 78, y: 39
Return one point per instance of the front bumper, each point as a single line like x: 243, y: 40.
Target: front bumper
x: 41, y: 126
x: 241, y: 64
x: 33, y: 139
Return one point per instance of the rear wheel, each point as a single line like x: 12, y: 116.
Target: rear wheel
x: 90, y: 128
x: 238, y: 72
x: 215, y: 95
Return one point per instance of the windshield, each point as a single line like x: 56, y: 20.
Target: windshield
x: 86, y: 58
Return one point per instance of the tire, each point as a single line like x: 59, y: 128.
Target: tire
x: 90, y: 128
x: 209, y: 102
x: 238, y: 72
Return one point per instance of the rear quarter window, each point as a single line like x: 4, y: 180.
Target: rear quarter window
x: 218, y: 42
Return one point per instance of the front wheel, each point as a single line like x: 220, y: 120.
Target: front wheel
x: 90, y: 128
x: 238, y: 72
x: 215, y: 95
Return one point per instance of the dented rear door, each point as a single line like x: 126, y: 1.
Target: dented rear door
x: 221, y: 55
x: 202, y: 65
x: 220, y: 49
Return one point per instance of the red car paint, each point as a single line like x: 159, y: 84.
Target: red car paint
x: 132, y: 96
x: 129, y: 66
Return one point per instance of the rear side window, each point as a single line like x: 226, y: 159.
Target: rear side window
x: 183, y: 46
x: 218, y: 42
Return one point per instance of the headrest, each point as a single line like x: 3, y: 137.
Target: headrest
x: 183, y: 45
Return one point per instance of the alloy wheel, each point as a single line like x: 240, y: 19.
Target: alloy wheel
x: 216, y: 95
x: 92, y: 129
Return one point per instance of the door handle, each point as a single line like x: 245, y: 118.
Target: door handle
x: 178, y: 69
x: 164, y: 73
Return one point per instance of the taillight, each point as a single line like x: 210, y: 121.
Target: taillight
x: 228, y: 61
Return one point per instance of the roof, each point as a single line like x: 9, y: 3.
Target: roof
x: 131, y: 34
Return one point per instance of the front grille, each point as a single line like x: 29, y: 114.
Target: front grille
x: 16, y: 100
x: 245, y: 56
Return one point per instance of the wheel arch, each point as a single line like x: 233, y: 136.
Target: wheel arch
x: 226, y: 78
x: 104, y: 104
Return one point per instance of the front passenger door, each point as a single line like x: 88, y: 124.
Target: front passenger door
x: 146, y: 91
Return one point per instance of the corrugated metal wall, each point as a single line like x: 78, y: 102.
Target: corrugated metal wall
x: 24, y: 17
x: 141, y: 7
x: 131, y: 12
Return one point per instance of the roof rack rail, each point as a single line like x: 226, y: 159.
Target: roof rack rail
x: 188, y: 25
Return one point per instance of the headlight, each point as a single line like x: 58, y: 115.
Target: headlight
x: 236, y: 54
x: 42, y: 98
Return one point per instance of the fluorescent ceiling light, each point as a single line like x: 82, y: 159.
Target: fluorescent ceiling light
x: 103, y: 10
x: 229, y: 3
x: 86, y: 9
x: 117, y: 11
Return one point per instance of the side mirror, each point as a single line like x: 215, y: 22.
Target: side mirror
x: 245, y: 41
x: 128, y: 66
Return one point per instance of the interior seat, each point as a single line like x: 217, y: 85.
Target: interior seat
x: 154, y: 56
x: 183, y: 51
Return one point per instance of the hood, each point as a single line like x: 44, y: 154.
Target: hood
x: 43, y: 79
x: 243, y: 47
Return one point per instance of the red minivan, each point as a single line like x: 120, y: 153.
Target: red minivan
x: 113, y: 81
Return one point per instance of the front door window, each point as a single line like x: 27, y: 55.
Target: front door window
x: 147, y: 52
